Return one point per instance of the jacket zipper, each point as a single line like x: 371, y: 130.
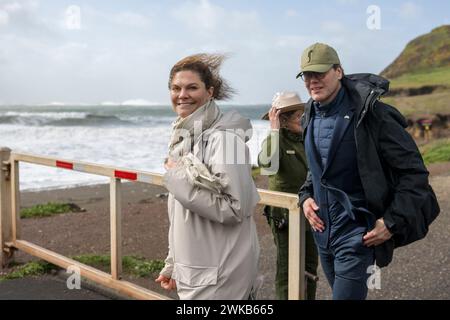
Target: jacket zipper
x: 370, y: 98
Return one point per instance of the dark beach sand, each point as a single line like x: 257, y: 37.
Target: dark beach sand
x: 419, y: 271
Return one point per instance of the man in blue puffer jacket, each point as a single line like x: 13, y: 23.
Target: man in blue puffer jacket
x: 367, y: 190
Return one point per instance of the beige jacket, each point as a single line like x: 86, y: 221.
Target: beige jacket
x: 213, y: 244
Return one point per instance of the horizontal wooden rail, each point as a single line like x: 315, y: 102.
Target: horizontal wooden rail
x: 103, y: 278
x: 278, y: 199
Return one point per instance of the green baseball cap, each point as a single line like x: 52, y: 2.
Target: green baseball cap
x: 318, y: 58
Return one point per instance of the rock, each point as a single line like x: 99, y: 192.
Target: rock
x: 162, y: 195
x: 75, y: 208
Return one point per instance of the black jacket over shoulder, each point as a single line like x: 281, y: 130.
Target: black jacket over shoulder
x: 393, y: 175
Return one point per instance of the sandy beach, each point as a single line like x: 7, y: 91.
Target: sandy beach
x: 419, y: 271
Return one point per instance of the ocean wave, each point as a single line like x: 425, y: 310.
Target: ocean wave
x: 52, y: 115
x: 61, y: 119
x: 91, y: 120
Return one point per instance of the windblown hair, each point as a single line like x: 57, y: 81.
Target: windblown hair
x: 207, y: 66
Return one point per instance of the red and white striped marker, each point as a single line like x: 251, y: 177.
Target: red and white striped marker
x: 120, y: 174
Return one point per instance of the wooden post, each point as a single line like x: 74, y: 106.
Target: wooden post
x: 15, y: 199
x: 5, y: 207
x: 296, y: 261
x: 116, y: 228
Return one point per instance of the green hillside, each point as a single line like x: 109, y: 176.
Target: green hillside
x: 426, y: 52
x: 438, y: 102
x: 430, y: 77
x: 420, y: 76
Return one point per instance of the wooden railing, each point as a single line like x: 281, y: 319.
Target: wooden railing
x: 10, y: 238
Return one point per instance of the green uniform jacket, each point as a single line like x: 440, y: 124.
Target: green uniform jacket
x: 292, y: 167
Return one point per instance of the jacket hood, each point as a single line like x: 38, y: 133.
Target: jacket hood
x: 366, y: 88
x: 233, y: 121
x: 364, y: 82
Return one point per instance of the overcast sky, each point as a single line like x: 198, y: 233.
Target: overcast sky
x: 101, y: 51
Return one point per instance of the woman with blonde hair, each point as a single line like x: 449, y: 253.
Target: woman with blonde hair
x: 213, y: 244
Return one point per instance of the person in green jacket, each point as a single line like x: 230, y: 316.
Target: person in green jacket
x: 282, y: 157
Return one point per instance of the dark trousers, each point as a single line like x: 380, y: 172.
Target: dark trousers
x: 281, y: 239
x: 345, y: 264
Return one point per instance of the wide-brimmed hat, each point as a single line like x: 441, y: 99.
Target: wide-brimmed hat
x: 319, y: 57
x: 285, y: 101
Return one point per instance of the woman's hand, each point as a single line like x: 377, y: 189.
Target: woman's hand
x: 274, y: 117
x: 309, y: 210
x: 169, y: 164
x: 377, y: 235
x: 166, y: 283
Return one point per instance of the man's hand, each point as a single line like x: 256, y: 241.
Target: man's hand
x: 377, y: 235
x: 309, y: 209
x: 166, y: 283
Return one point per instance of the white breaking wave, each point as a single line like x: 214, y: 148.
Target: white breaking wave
x: 139, y: 102
x: 50, y: 115
x: 109, y: 103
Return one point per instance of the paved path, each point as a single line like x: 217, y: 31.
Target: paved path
x: 46, y: 287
